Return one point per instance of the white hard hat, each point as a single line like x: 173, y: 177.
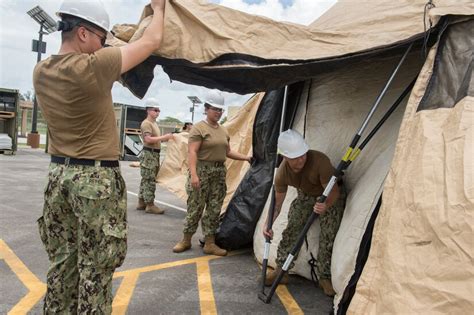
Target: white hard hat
x: 291, y: 144
x: 215, y: 98
x: 152, y: 103
x: 92, y: 11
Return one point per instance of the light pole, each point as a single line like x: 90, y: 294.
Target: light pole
x: 195, y: 100
x: 47, y: 26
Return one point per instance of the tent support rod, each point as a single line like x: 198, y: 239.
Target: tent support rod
x: 384, y: 90
x: 392, y: 108
x: 343, y: 164
x: 271, y: 210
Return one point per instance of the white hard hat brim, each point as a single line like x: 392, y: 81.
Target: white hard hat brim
x: 216, y: 105
x: 295, y: 154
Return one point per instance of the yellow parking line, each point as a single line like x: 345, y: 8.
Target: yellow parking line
x: 288, y: 301
x: 206, y: 294
x: 125, y: 291
x: 124, y: 294
x: 175, y: 263
x: 32, y: 283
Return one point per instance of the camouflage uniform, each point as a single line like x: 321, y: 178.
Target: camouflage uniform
x: 84, y: 231
x: 210, y: 196
x: 300, y: 210
x: 149, y: 167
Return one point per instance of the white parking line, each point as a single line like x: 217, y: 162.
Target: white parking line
x: 162, y: 202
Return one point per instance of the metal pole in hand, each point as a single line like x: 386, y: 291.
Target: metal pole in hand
x: 343, y: 164
x: 271, y: 210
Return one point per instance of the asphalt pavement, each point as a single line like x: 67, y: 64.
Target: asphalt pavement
x: 153, y: 279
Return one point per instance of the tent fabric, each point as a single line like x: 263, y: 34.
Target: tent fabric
x: 338, y: 102
x: 422, y: 249
x: 174, y: 169
x: 421, y: 255
x: 453, y: 72
x: 217, y: 47
x: 238, y: 223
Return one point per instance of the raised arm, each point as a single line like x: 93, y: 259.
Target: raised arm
x: 136, y: 52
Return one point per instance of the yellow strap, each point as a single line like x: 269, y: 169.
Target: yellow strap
x: 354, y: 155
x: 348, y: 153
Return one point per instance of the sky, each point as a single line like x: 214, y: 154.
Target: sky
x: 17, y: 60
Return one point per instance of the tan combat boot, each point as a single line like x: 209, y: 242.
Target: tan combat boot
x: 183, y: 245
x: 151, y: 208
x: 141, y: 204
x: 211, y: 248
x: 326, y: 285
x: 272, y: 275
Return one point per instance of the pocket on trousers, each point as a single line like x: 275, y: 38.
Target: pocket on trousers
x: 114, y: 245
x: 95, y: 189
x: 146, y: 160
x: 43, y: 232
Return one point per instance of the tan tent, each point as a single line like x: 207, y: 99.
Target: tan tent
x: 421, y: 250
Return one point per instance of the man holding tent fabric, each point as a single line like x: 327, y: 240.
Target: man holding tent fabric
x: 309, y: 171
x: 150, y: 158
x: 84, y: 222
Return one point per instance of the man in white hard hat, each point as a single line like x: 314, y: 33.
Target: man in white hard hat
x: 309, y: 171
x: 206, y: 186
x: 150, y: 158
x: 84, y: 224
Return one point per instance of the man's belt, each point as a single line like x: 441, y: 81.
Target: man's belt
x: 210, y: 163
x: 151, y: 149
x: 72, y: 161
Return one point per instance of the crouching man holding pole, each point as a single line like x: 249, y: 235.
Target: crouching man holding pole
x: 308, y: 171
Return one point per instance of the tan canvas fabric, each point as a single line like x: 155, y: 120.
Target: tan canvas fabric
x: 422, y: 248
x: 199, y: 32
x: 214, y: 142
x: 316, y: 172
x: 151, y: 128
x: 81, y: 119
x: 174, y: 169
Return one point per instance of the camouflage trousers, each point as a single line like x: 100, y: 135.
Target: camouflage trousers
x: 149, y: 167
x: 210, y: 196
x: 84, y: 232
x: 300, y: 211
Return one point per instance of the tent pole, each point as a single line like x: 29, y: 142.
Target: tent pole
x: 271, y: 210
x: 394, y: 106
x: 343, y: 164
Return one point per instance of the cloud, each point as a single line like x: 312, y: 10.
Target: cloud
x: 17, y: 60
x: 297, y: 11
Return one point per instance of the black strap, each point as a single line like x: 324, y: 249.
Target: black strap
x: 312, y: 263
x: 151, y: 149
x: 72, y: 161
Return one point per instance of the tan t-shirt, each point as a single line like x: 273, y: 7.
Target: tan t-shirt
x: 151, y: 128
x: 214, y: 142
x: 316, y: 172
x: 75, y: 97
